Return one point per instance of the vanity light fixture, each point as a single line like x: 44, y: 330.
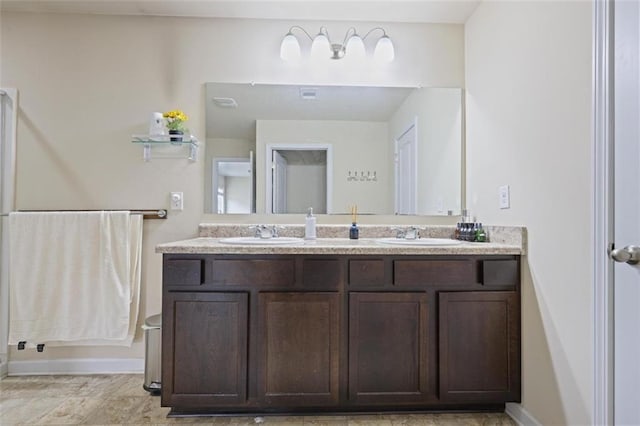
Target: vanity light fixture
x: 321, y: 44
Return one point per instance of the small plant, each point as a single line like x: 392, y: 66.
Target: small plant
x: 175, y: 120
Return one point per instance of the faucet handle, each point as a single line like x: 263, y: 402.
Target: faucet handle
x: 259, y: 230
x: 412, y: 233
x: 400, y: 232
x: 274, y: 230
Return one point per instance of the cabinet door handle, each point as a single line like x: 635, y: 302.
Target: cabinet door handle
x: 628, y: 254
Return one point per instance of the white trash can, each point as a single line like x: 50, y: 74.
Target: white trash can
x: 152, y: 354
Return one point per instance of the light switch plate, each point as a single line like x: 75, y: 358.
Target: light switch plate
x: 177, y: 201
x: 504, y: 197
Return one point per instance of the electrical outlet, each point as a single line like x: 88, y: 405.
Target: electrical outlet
x: 177, y: 201
x: 504, y: 197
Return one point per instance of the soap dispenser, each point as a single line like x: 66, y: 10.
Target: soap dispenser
x: 310, y: 225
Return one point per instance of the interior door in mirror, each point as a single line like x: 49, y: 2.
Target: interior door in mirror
x: 233, y: 185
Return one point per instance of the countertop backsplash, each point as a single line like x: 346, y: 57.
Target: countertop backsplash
x: 509, y: 235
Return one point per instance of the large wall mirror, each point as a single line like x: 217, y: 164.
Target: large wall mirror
x: 284, y: 148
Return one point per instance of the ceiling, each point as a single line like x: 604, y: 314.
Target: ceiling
x: 293, y: 102
x: 416, y: 11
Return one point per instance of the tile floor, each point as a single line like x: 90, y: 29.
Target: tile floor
x: 120, y: 400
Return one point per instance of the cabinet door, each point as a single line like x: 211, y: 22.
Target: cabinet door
x: 479, y: 346
x: 298, y: 349
x: 387, y: 348
x: 204, y: 353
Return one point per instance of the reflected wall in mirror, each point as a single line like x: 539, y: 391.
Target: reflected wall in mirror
x: 387, y: 150
x: 292, y: 167
x: 233, y: 185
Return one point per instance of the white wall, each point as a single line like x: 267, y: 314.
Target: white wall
x: 88, y: 82
x: 528, y: 71
x: 356, y: 145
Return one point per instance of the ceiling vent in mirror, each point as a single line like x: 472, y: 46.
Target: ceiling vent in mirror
x: 225, y: 102
x: 308, y: 93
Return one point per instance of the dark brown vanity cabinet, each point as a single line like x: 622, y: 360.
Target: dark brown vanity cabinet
x: 479, y: 346
x: 339, y: 333
x: 298, y: 353
x: 204, y: 349
x: 388, y: 337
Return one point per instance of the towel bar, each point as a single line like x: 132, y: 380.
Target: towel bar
x: 146, y: 214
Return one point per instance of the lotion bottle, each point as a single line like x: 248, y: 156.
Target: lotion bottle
x: 310, y: 226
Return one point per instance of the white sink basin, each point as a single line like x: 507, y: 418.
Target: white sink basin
x: 419, y: 242
x: 261, y: 241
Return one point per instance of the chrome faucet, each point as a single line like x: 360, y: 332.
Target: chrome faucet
x: 262, y: 231
x: 265, y: 232
x: 410, y: 233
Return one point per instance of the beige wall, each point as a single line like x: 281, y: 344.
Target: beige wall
x: 528, y: 74
x: 88, y: 82
x: 305, y: 188
x: 356, y: 146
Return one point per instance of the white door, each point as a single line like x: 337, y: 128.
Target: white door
x: 627, y: 213
x: 406, y: 172
x: 279, y: 183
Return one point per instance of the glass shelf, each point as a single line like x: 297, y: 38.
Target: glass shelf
x: 149, y: 141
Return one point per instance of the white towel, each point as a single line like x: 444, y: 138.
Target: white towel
x: 74, y: 277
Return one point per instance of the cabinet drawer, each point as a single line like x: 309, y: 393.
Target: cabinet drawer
x: 183, y: 272
x: 322, y: 273
x: 500, y: 272
x: 253, y: 272
x: 366, y: 272
x: 412, y: 272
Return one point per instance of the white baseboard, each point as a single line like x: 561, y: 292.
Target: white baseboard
x: 76, y: 366
x: 521, y: 416
x: 4, y: 369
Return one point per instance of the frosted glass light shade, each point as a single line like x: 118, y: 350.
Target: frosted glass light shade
x: 384, y: 51
x: 321, y: 47
x: 355, y: 48
x: 290, y: 48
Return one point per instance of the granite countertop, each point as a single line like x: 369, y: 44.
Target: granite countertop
x: 363, y: 246
x: 508, y: 240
